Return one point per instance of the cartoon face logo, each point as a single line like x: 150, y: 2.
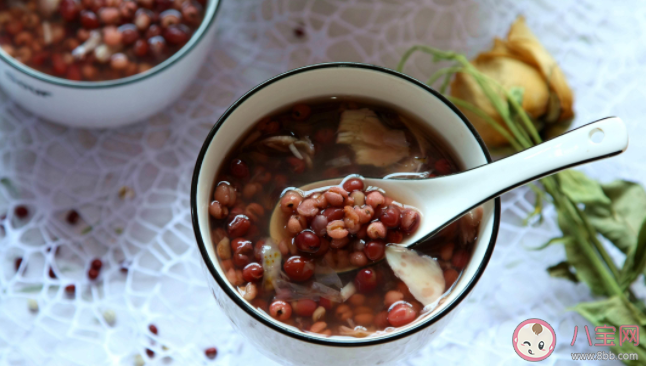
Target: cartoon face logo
x: 534, y: 340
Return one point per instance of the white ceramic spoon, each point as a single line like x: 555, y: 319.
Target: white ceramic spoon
x: 443, y: 200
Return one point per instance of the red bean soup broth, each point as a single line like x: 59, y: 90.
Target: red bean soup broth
x: 332, y: 271
x: 96, y: 40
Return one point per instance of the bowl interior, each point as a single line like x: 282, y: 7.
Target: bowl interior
x: 344, y: 80
x: 209, y: 17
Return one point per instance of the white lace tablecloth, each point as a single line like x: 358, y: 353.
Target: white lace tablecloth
x: 52, y: 170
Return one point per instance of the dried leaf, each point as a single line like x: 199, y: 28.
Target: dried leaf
x: 372, y: 142
x: 585, y: 271
x: 581, y: 188
x: 616, y: 312
x: 620, y: 222
x: 562, y: 270
x: 635, y: 260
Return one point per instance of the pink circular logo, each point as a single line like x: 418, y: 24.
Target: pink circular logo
x: 534, y: 340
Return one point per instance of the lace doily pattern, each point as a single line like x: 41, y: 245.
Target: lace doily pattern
x: 68, y: 196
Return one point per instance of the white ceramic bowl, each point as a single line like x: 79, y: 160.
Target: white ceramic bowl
x: 109, y: 103
x: 276, y: 340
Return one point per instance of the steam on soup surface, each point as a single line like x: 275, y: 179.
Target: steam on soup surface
x: 294, y: 277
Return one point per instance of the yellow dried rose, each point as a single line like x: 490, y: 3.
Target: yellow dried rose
x: 519, y: 62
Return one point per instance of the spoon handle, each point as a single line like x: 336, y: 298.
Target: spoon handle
x: 458, y: 193
x: 594, y: 141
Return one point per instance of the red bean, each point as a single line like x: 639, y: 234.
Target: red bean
x: 308, y: 208
x: 211, y: 353
x: 333, y: 214
x: 443, y: 167
x: 153, y: 329
x: 74, y: 73
x: 109, y: 15
x: 177, y: 34
x: 326, y: 303
x: 390, y: 216
x: 334, y: 199
x: 354, y: 184
x: 217, y: 210
x: 241, y: 260
x: 252, y: 272
x: 240, y: 245
x: 358, y: 259
x: 97, y: 264
x: 170, y: 17
x: 238, y: 226
x: 69, y: 10
x: 59, y: 67
x: 13, y: 27
x: 374, y: 250
x: 239, y: 169
x: 394, y: 237
x: 129, y: 34
x: 17, y: 263
x: 290, y: 201
x: 157, y: 45
x: 89, y: 20
x: 298, y: 268
x: 375, y: 199
x: 93, y: 274
x: 143, y: 18
x: 112, y: 36
x: 70, y: 290
x: 280, y: 310
x: 307, y: 242
x: 381, y: 320
x: 450, y: 276
x: 376, y: 230
x: 119, y: 61
x: 323, y: 249
x: 225, y: 194
x: 297, y: 165
x: 392, y: 297
x: 401, y: 314
x: 21, y: 212
x: 366, y: 280
x: 141, y: 48
x: 460, y: 259
x: 153, y: 31
x: 409, y: 220
x: 301, y: 112
x: 304, y: 307
x: 191, y: 14
x: 127, y: 10
x: 319, y: 225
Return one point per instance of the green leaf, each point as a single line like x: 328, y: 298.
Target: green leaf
x: 620, y: 223
x: 585, y: 271
x: 635, y: 260
x: 616, y: 311
x: 582, y: 189
x: 562, y: 270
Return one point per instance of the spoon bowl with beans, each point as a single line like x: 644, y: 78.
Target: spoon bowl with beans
x: 426, y: 206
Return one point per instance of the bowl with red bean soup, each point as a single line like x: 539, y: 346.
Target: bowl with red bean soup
x: 325, y: 282
x: 102, y: 63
